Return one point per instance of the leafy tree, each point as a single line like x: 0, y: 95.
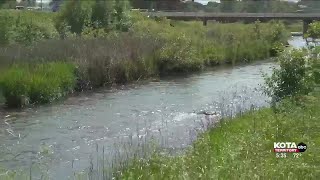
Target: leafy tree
x: 290, y: 79
x: 212, y: 7
x: 3, y: 2
x: 120, y: 14
x: 7, y: 4
x: 228, y: 5
x: 314, y: 30
x: 75, y: 14
x: 102, y: 13
x: 78, y: 16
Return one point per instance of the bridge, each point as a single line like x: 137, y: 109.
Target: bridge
x: 307, y: 18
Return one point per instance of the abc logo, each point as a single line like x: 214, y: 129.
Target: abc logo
x: 302, y: 147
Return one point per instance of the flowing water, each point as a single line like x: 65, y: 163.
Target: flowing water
x: 64, y: 136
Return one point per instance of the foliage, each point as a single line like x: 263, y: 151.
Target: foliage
x: 24, y: 84
x: 4, y: 30
x: 151, y: 47
x: 25, y: 27
x: 98, y: 14
x: 75, y: 14
x: 291, y: 79
x: 314, y: 30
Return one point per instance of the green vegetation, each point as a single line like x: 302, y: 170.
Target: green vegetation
x: 25, y: 27
x: 108, y: 45
x: 314, y: 30
x: 242, y: 148
x: 25, y: 84
x: 294, y: 26
x: 292, y: 78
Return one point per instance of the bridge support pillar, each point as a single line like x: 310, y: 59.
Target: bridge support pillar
x: 306, y: 25
x: 205, y: 22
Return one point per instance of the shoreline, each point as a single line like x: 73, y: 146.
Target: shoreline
x: 4, y: 109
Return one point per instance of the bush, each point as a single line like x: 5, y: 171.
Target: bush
x: 5, y: 29
x: 74, y: 14
x: 314, y: 30
x: 25, y: 84
x: 291, y: 79
x: 179, y: 55
x: 100, y: 14
x: 25, y: 27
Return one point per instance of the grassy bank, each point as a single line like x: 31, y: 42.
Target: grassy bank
x: 242, y: 148
x: 149, y: 48
x: 26, y: 84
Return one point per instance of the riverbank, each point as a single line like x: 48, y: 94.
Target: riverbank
x: 242, y: 148
x: 150, y: 48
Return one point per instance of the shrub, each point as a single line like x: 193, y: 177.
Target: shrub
x: 99, y: 14
x: 75, y: 14
x: 291, y: 78
x: 5, y: 29
x: 41, y: 83
x: 25, y: 27
x: 314, y: 30
x: 179, y: 55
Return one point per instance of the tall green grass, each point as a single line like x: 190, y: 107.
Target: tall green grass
x: 25, y: 84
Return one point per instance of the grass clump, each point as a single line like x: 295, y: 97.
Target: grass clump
x: 24, y: 84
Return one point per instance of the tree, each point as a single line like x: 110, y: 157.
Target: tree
x: 2, y: 2
x: 102, y: 12
x: 227, y: 5
x: 75, y: 14
x: 7, y: 4
x: 314, y: 30
x: 120, y: 14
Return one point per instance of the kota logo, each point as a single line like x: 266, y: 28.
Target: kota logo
x: 289, y: 147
